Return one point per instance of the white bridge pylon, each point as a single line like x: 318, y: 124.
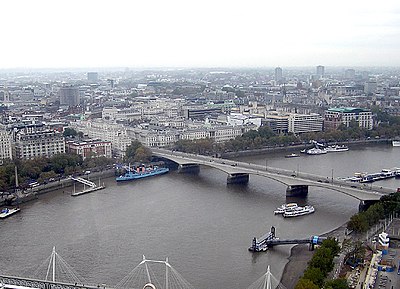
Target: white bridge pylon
x: 154, y: 274
x: 57, y: 270
x: 267, y: 281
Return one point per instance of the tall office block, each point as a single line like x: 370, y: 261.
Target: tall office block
x: 278, y: 74
x: 92, y: 77
x: 320, y: 70
x: 349, y: 73
x: 370, y: 87
x: 69, y: 96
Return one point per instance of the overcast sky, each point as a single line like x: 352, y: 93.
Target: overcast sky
x: 191, y: 33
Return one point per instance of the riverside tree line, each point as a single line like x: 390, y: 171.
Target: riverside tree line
x: 319, y: 267
x: 385, y: 207
x: 388, y: 128
x: 44, y: 169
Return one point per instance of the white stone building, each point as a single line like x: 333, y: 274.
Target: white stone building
x: 118, y: 114
x: 98, y: 129
x: 302, y: 123
x: 5, y: 144
x: 45, y: 143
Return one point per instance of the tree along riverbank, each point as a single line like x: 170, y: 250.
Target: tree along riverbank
x: 300, y: 256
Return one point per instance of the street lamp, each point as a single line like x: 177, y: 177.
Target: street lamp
x: 332, y: 177
x: 266, y: 165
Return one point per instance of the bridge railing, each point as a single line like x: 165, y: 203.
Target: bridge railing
x: 42, y: 284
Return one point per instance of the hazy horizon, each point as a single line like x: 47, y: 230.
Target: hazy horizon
x: 45, y: 34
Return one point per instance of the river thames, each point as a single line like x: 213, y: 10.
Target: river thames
x: 203, y: 225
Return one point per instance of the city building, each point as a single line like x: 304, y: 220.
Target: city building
x: 200, y: 113
x: 278, y: 74
x: 370, y: 87
x: 92, y: 77
x: 334, y: 117
x: 235, y: 119
x: 218, y: 134
x: 107, y: 131
x: 155, y: 138
x: 69, y: 96
x: 121, y: 115
x: 349, y: 73
x: 278, y: 123
x: 320, y: 71
x: 40, y: 143
x: 302, y: 123
x: 89, y: 148
x: 5, y: 144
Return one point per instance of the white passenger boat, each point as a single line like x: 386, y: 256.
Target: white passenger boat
x: 300, y: 211
x: 316, y: 151
x: 336, y: 148
x: 292, y: 155
x: 6, y: 212
x: 285, y: 207
x: 396, y: 143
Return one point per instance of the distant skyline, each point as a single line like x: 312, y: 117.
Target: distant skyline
x: 178, y: 33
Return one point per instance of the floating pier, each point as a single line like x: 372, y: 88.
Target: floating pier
x: 74, y: 194
x: 92, y: 186
x: 270, y: 240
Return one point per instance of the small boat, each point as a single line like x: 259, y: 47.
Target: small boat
x: 285, y: 207
x: 6, y: 212
x: 300, y: 211
x: 141, y: 172
x: 336, y: 148
x: 292, y: 155
x: 316, y: 151
x: 303, y: 151
x: 396, y: 143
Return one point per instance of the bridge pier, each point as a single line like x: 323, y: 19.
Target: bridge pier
x: 189, y: 168
x: 364, y: 205
x: 297, y: 191
x: 238, y: 178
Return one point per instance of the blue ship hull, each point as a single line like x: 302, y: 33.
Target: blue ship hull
x: 132, y: 175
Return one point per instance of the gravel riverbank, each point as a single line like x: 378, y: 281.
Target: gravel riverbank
x: 299, y: 257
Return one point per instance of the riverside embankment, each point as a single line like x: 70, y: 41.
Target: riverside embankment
x: 299, y: 257
x: 31, y: 194
x: 299, y: 147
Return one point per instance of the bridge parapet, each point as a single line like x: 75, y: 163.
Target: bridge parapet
x: 40, y: 284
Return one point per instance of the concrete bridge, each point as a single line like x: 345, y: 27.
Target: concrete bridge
x: 297, y: 182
